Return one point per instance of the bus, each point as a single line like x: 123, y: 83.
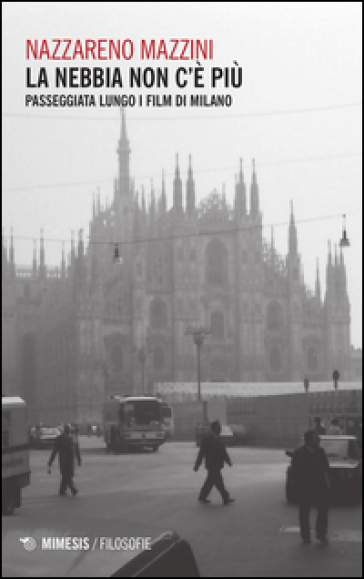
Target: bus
x: 15, y: 452
x: 133, y: 422
x: 168, y: 420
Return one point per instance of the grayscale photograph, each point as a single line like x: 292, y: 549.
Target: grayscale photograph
x: 182, y: 289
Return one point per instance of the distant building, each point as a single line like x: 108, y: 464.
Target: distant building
x: 356, y: 355
x: 92, y: 326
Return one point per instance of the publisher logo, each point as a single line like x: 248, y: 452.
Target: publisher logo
x: 29, y: 543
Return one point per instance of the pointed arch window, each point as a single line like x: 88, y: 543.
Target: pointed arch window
x: 158, y: 314
x: 218, y: 325
x: 275, y: 358
x: 216, y: 263
x: 158, y: 358
x: 312, y: 358
x: 274, y: 316
x: 117, y: 357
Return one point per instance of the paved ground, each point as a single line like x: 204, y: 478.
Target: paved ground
x: 146, y: 494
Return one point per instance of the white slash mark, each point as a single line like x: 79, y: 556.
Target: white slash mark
x: 344, y: 536
x: 94, y: 544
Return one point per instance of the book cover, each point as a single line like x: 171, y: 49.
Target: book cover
x: 181, y: 218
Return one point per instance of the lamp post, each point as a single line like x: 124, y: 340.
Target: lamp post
x: 142, y: 357
x: 199, y: 334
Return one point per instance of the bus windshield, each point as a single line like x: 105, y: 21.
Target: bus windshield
x: 140, y: 413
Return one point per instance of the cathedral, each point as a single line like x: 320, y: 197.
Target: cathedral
x: 114, y: 316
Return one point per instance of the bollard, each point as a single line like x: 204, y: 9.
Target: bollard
x: 335, y: 377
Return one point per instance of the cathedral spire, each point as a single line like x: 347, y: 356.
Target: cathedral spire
x: 4, y: 256
x: 240, y: 193
x: 63, y: 262
x: 177, y: 188
x: 136, y: 215
x: 144, y: 211
x: 223, y: 195
x: 123, y: 151
x: 124, y: 136
x: 318, y: 283
x: 152, y: 204
x: 72, y: 248
x: 98, y: 201
x: 35, y: 257
x: 163, y: 197
x: 292, y: 233
x: 42, y: 266
x: 337, y: 274
x: 81, y: 249
x: 12, y: 253
x: 342, y: 269
x: 272, y: 248
x: 336, y: 258
x: 330, y: 274
x: 254, y: 193
x: 190, y: 189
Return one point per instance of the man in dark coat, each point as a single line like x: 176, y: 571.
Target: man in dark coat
x: 213, y: 451
x: 310, y: 470
x: 67, y: 450
x: 319, y: 428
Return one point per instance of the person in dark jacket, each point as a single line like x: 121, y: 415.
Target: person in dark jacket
x: 310, y: 469
x: 67, y: 450
x: 319, y: 428
x: 213, y: 451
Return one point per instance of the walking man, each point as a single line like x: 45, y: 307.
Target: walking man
x: 213, y: 451
x: 319, y: 428
x: 310, y: 469
x: 67, y: 450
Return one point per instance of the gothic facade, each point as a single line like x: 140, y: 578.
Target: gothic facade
x: 114, y: 318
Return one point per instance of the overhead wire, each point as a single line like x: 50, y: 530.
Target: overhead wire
x: 195, y: 171
x: 251, y: 114
x: 195, y: 233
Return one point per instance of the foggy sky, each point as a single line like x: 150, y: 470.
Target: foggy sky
x: 294, y: 56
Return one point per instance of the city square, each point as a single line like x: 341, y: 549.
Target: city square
x: 143, y: 494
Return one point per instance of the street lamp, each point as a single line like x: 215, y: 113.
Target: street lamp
x: 199, y: 334
x: 344, y: 241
